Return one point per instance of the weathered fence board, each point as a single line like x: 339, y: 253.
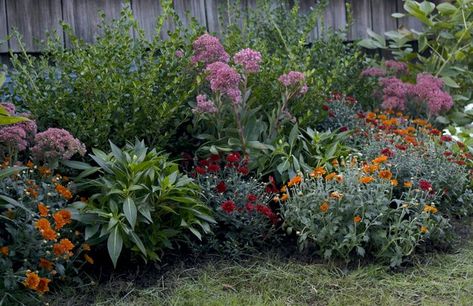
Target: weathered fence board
x: 3, y: 27
x: 83, y: 15
x: 33, y: 19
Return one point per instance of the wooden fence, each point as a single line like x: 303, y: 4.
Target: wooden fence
x: 34, y: 18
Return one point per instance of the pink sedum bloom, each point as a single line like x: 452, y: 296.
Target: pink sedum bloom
x: 204, y: 106
x: 394, y: 93
x: 56, y: 144
x: 249, y: 59
x: 396, y: 67
x: 373, y: 72
x: 208, y: 49
x: 224, y: 80
x: 179, y: 53
x: 429, y: 89
x: 13, y: 137
x: 9, y: 107
x: 292, y: 78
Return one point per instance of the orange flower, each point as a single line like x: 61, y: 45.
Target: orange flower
x: 64, y: 192
x: 43, y: 285
x: 324, y: 207
x: 394, y: 182
x: 44, y: 227
x: 32, y: 191
x: 294, y: 181
x: 370, y: 168
x: 430, y: 209
x: 31, y: 281
x: 5, y: 250
x: 424, y: 229
x: 371, y: 116
x: 420, y: 122
x: 382, y: 117
x: 284, y: 188
x: 89, y: 259
x: 43, y: 224
x: 45, y: 171
x: 284, y: 197
x: 49, y: 234
x: 366, y: 179
x: 336, y: 195
x: 318, y: 172
x: 86, y: 247
x: 63, y: 247
x: 380, y: 159
x: 29, y: 164
x: 334, y: 163
x: 331, y: 176
x: 45, y: 264
x: 62, y: 218
x: 357, y: 219
x: 408, y: 184
x: 43, y: 210
x: 385, y: 174
x: 339, y: 178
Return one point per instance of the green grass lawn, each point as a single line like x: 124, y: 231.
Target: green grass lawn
x: 441, y: 279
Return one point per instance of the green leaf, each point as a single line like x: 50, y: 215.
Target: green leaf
x: 196, y: 233
x: 129, y: 208
x: 138, y: 242
x: 114, y: 245
x: 91, y: 231
x: 446, y: 8
x: 450, y: 82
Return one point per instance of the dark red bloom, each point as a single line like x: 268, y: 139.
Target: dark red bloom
x: 460, y: 162
x: 200, y: 170
x: 233, y: 157
x: 221, y: 187
x: 361, y: 115
x: 351, y: 100
x: 271, y: 187
x: 388, y: 152
x: 203, y: 162
x: 425, y: 185
x: 343, y: 129
x: 461, y: 145
x: 446, y: 138
x: 213, y: 168
x: 228, y: 206
x: 435, y: 132
x: 266, y: 211
x: 401, y: 147
x: 331, y: 114
x: 251, y: 197
x: 447, y: 153
x: 214, y: 158
x: 249, y: 206
x: 243, y: 170
x: 325, y: 108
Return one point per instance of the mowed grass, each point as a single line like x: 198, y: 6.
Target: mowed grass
x: 442, y: 279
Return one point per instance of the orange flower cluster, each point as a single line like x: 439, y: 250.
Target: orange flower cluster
x: 63, y: 247
x: 34, y: 282
x: 318, y: 172
x: 4, y: 250
x: 324, y: 207
x: 62, y: 218
x: 357, y: 219
x: 46, y: 230
x: 64, y: 192
x: 294, y: 181
x: 366, y: 179
x: 43, y: 210
x: 430, y: 209
x: 385, y: 174
x: 45, y: 264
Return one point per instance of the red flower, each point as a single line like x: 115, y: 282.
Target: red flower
x: 228, y: 206
x: 360, y: 115
x: 447, y: 153
x: 331, y: 114
x: 401, y: 147
x: 200, y: 170
x: 435, y: 132
x: 325, y: 108
x: 460, y: 162
x: 214, y: 158
x: 213, y: 168
x: 233, y: 157
x: 446, y: 138
x: 351, y: 100
x: 425, y: 185
x: 203, y: 162
x: 243, y: 170
x: 221, y: 187
x: 271, y: 187
x: 461, y: 145
x: 249, y: 206
x: 343, y: 129
x: 252, y: 198
x: 387, y: 152
x: 266, y: 211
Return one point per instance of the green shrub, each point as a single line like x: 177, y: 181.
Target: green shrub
x: 120, y: 87
x: 352, y: 214
x: 38, y: 243
x: 139, y: 200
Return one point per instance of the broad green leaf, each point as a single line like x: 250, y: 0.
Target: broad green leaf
x: 129, y: 208
x: 446, y: 8
x: 450, y: 82
x: 114, y: 245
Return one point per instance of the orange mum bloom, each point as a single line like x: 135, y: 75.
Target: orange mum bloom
x: 357, y: 219
x: 89, y: 259
x: 5, y: 250
x: 31, y: 281
x: 408, y: 184
x: 318, y: 172
x: 371, y: 116
x: 43, y: 285
x: 45, y: 171
x: 43, y: 210
x: 63, y: 247
x: 424, y: 229
x: 339, y: 178
x: 45, y: 264
x: 44, y: 227
x: 324, y: 207
x: 394, y: 182
x: 334, y: 163
x: 366, y: 179
x: 331, y: 176
x: 430, y: 209
x: 86, y: 247
x: 284, y: 197
x: 380, y: 159
x: 284, y: 188
x: 62, y: 218
x: 336, y: 195
x: 385, y: 174
x: 64, y: 192
x: 294, y: 181
x: 43, y: 224
x: 370, y: 168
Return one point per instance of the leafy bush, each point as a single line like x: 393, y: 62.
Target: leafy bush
x: 352, y: 213
x: 140, y: 200
x: 38, y: 244
x: 245, y: 221
x: 120, y: 87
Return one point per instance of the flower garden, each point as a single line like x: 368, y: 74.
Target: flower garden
x: 128, y: 152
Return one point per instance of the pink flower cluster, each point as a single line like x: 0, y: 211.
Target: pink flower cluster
x: 294, y: 79
x: 19, y: 136
x: 208, y: 49
x: 248, y: 59
x: 429, y: 89
x: 224, y: 80
x: 204, y: 105
x: 396, y: 67
x: 373, y: 72
x: 56, y: 144
x: 395, y: 93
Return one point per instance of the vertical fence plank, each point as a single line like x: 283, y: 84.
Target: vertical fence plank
x: 3, y: 27
x: 83, y: 15
x: 334, y: 18
x: 382, y: 19
x: 196, y: 9
x: 215, y: 9
x: 361, y: 10
x: 147, y: 13
x: 33, y: 19
x: 306, y: 7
